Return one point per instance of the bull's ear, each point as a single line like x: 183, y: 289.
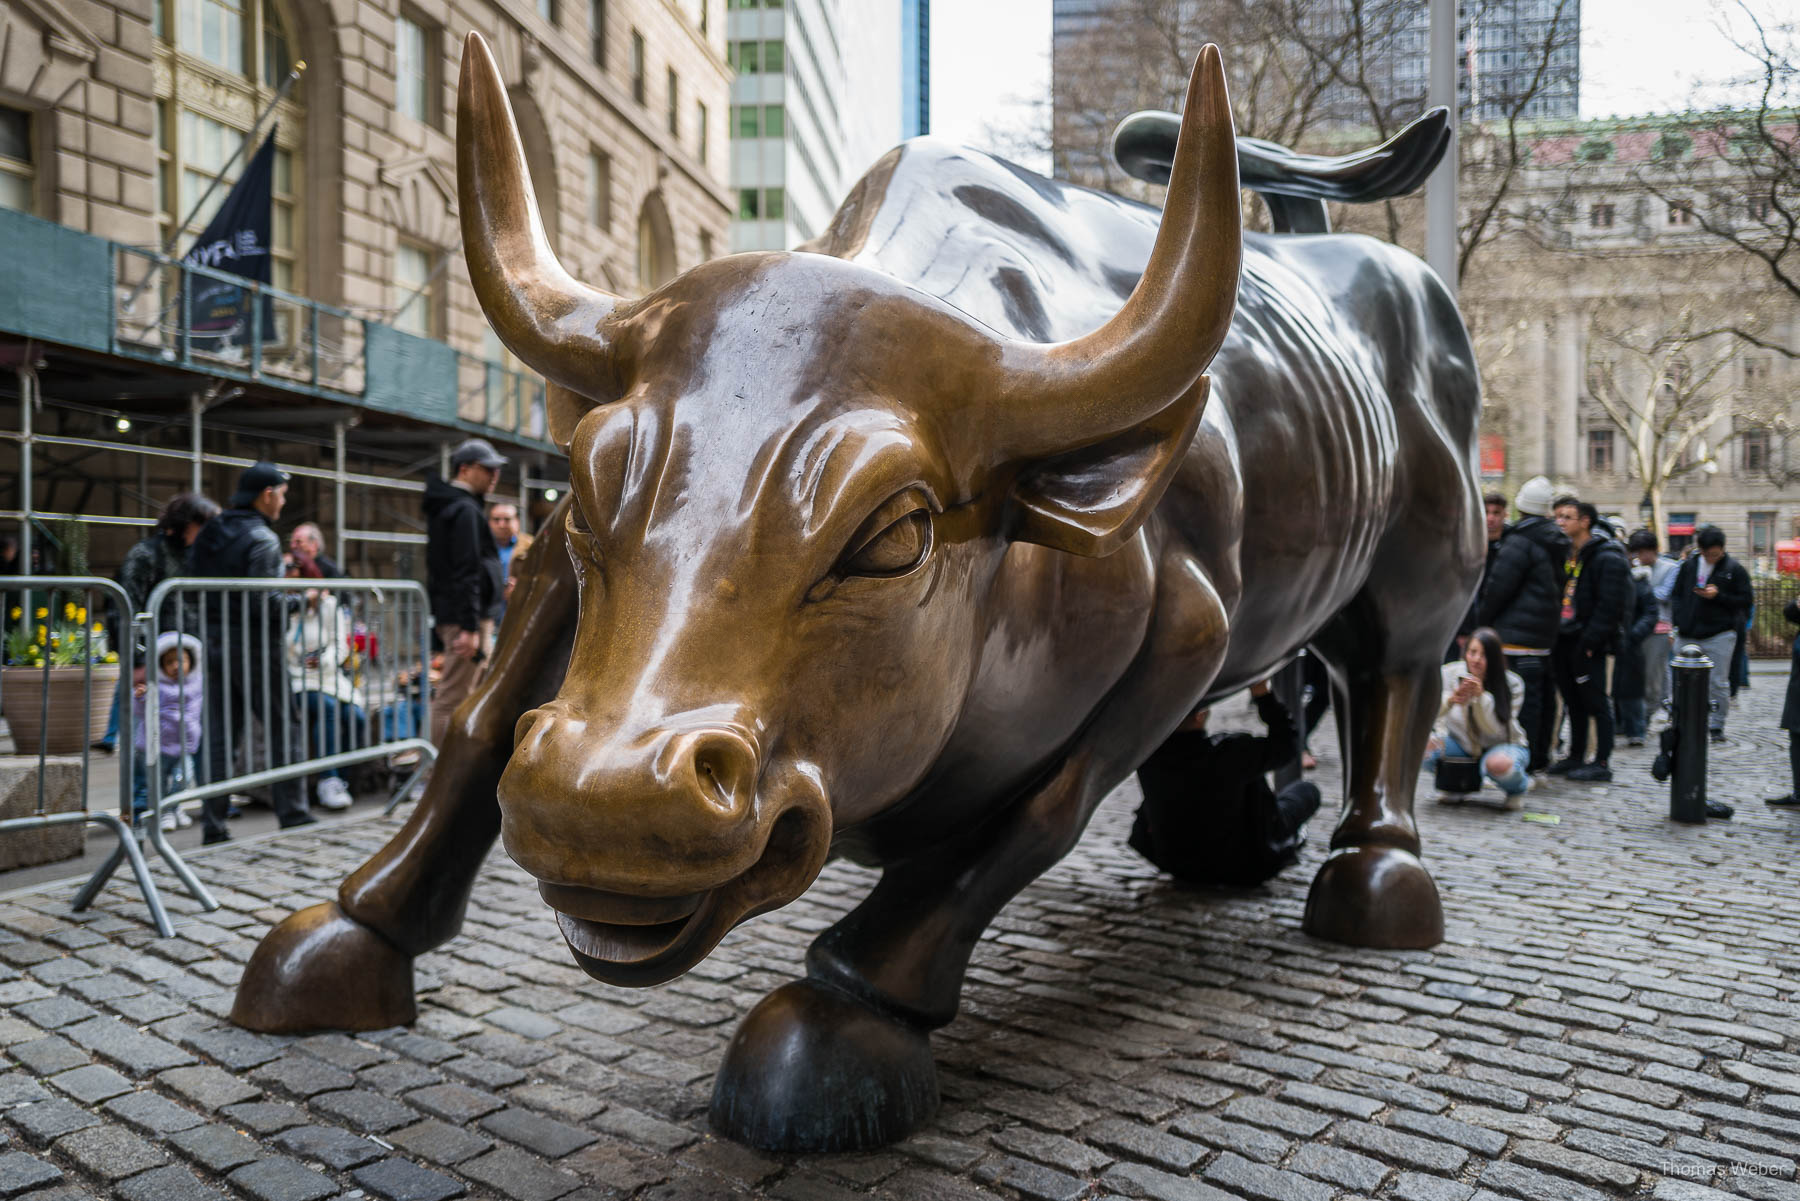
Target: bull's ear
x: 563, y: 411
x: 1091, y: 501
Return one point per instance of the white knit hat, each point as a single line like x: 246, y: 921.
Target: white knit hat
x: 1535, y: 497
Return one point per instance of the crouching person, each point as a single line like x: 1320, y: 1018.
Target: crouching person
x: 1209, y: 815
x: 1478, y: 718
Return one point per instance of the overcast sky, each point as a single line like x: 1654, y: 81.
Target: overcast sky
x: 990, y: 59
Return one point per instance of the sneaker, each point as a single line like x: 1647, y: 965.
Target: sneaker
x: 1596, y: 772
x: 333, y: 793
x: 1788, y: 801
x: 182, y: 820
x: 305, y: 819
x: 103, y: 746
x: 212, y: 836
x: 1634, y: 742
x: 1718, y: 736
x: 1513, y: 802
x: 1451, y: 798
x: 1562, y: 767
x: 171, y: 820
x: 1719, y: 811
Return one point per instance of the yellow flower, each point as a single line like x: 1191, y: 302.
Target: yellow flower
x: 98, y: 628
x: 43, y: 633
x: 37, y: 662
x: 42, y: 613
x: 69, y: 611
x: 81, y: 614
x: 16, y: 613
x: 111, y: 657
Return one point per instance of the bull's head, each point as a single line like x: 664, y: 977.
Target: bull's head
x: 794, y: 480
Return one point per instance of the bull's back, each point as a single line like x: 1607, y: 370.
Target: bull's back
x: 1342, y: 351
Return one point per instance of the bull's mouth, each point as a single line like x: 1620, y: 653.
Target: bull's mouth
x: 635, y: 941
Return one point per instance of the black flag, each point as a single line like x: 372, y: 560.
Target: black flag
x: 237, y: 241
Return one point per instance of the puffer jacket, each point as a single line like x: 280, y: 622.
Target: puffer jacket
x: 1697, y: 617
x: 1521, y: 596
x: 1603, y: 595
x: 462, y: 564
x: 239, y: 544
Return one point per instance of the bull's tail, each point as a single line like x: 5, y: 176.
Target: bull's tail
x: 1296, y: 186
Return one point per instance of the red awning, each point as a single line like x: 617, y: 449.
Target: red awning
x: 1680, y: 529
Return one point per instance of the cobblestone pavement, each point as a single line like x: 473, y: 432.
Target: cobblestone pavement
x: 1612, y: 1014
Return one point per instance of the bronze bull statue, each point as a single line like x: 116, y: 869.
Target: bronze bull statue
x: 910, y: 549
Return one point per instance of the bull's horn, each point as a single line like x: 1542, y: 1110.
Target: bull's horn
x: 551, y: 320
x: 1070, y: 394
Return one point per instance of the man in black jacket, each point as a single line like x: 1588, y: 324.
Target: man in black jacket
x: 1209, y: 815
x: 462, y: 571
x: 1711, y: 600
x: 1593, y: 612
x: 1521, y: 598
x: 246, y: 663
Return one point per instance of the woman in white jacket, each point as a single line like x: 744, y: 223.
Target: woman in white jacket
x: 1478, y: 718
x: 318, y: 641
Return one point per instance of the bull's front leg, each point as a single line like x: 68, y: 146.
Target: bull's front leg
x: 841, y: 1060
x: 348, y: 964
x: 1372, y: 890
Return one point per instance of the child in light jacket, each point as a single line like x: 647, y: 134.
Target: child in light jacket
x: 180, y: 703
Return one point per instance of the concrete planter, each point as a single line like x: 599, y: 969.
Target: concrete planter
x: 75, y: 717
x: 63, y: 793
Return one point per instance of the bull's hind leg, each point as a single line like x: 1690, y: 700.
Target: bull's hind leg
x: 841, y: 1060
x: 1372, y: 890
x: 348, y: 964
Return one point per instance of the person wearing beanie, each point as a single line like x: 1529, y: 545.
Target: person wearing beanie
x: 1521, y: 599
x: 246, y: 665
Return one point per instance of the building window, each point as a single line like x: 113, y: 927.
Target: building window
x: 1762, y: 533
x: 599, y: 190
x: 18, y: 175
x: 412, y: 70
x: 414, y: 304
x: 1756, y: 371
x: 1681, y: 213
x: 706, y: 244
x: 212, y: 29
x: 749, y: 205
x: 701, y: 123
x: 674, y: 107
x: 1600, y: 216
x: 1600, y: 452
x: 1757, y: 208
x: 773, y: 58
x: 1753, y: 452
x: 597, y: 30
x: 637, y: 66
x: 774, y: 124
x: 547, y: 10
x: 743, y: 57
x: 774, y: 204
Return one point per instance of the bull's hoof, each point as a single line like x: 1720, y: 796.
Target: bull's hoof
x: 1374, y: 896
x: 320, y: 969
x: 813, y: 1070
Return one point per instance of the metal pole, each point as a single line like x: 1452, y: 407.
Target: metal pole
x: 337, y: 486
x: 1687, y: 785
x: 196, y: 407
x: 27, y: 401
x: 1440, y: 193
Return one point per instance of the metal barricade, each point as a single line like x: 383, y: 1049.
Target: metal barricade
x: 54, y: 624
x: 296, y: 678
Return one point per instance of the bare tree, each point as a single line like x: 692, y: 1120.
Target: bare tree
x: 1737, y: 174
x: 1670, y: 380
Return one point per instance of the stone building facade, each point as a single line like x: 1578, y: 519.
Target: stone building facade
x: 115, y: 115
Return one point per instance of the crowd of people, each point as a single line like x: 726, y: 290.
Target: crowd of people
x: 1562, y: 599
x: 286, y: 659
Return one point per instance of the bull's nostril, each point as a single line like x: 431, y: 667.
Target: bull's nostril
x: 725, y: 770
x: 526, y: 722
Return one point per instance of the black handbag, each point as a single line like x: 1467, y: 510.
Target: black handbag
x: 1458, y: 775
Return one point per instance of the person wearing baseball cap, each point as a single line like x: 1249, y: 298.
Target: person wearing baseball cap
x: 246, y: 665
x: 1521, y: 598
x: 462, y: 573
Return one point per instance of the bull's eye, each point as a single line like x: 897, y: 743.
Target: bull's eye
x: 894, y: 549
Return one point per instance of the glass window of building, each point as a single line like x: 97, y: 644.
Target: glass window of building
x: 774, y: 204
x: 18, y: 172
x: 637, y: 66
x: 706, y: 244
x: 1600, y: 452
x: 773, y: 123
x: 700, y: 123
x: 547, y: 10
x: 1600, y: 216
x: 1754, y: 447
x: 743, y: 121
x: 674, y: 105
x: 1762, y: 533
x: 748, y: 207
x: 412, y: 69
x: 599, y: 189
x: 413, y: 302
x: 773, y: 58
x: 597, y: 30
x: 219, y: 62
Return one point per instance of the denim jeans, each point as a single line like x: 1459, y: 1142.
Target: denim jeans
x: 1512, y: 783
x: 1632, y: 716
x: 333, y: 726
x: 175, y: 776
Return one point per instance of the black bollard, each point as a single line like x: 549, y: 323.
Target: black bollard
x: 1687, y: 785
